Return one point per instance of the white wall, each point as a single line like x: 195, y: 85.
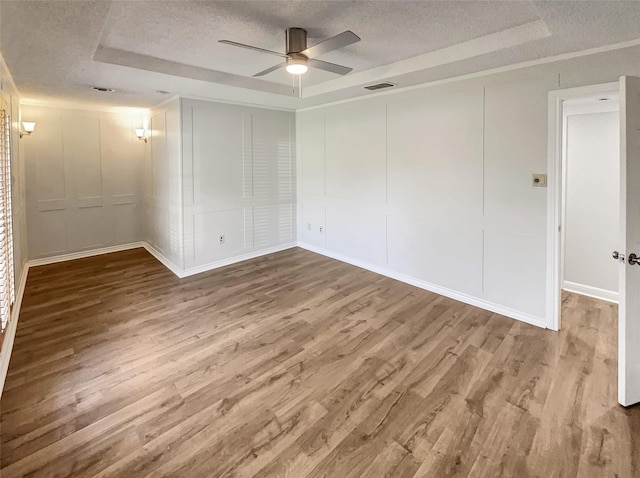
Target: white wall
x: 238, y: 181
x: 434, y: 186
x: 162, y: 183
x: 213, y: 169
x: 592, y: 189
x: 83, y: 180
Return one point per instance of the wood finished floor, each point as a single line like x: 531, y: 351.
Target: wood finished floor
x: 297, y: 365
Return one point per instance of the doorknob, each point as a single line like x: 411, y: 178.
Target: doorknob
x: 634, y: 260
x: 615, y: 255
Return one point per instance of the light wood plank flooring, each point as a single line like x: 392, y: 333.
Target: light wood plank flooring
x: 297, y: 365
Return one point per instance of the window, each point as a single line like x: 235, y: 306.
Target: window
x: 7, y: 286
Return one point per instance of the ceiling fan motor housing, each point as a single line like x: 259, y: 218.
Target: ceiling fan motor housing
x: 296, y: 40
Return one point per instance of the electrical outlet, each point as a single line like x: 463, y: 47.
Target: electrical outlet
x: 321, y: 229
x: 308, y: 226
x: 221, y: 239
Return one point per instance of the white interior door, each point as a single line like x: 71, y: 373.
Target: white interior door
x: 629, y: 300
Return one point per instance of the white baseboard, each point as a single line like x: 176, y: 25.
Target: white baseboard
x: 10, y: 334
x: 232, y: 260
x: 589, y: 291
x: 215, y: 265
x: 177, y: 270
x: 7, y: 346
x: 82, y: 254
x: 467, y: 299
x: 5, y: 354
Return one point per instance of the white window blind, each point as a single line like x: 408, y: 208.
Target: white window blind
x: 7, y: 286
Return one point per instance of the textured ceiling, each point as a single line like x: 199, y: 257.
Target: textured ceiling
x: 57, y: 50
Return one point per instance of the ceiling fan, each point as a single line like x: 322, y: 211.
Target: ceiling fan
x: 299, y: 58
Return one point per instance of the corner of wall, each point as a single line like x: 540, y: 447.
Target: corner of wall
x: 11, y: 96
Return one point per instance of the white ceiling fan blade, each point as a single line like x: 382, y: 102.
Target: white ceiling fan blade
x: 254, y: 48
x: 332, y: 67
x: 273, y: 68
x: 339, y: 41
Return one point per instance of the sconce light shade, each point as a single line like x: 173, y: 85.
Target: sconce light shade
x: 140, y: 133
x: 28, y: 127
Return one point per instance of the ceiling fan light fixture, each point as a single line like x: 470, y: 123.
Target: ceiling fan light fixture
x: 297, y: 66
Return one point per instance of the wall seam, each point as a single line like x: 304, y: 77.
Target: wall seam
x: 484, y: 154
x: 386, y: 182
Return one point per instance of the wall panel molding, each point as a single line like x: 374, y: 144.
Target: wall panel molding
x: 434, y: 186
x: 82, y: 167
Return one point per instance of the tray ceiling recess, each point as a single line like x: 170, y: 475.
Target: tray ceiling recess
x: 56, y: 51
x: 299, y: 58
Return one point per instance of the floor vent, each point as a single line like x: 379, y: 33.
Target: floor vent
x: 379, y: 86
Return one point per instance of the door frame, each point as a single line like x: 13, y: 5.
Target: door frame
x: 555, y: 190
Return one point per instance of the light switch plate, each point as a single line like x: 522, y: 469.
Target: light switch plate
x: 539, y: 181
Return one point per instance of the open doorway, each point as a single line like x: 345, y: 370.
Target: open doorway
x: 574, y: 100
x: 590, y: 200
x: 627, y: 252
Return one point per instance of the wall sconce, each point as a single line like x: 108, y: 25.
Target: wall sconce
x: 28, y: 127
x: 140, y: 133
